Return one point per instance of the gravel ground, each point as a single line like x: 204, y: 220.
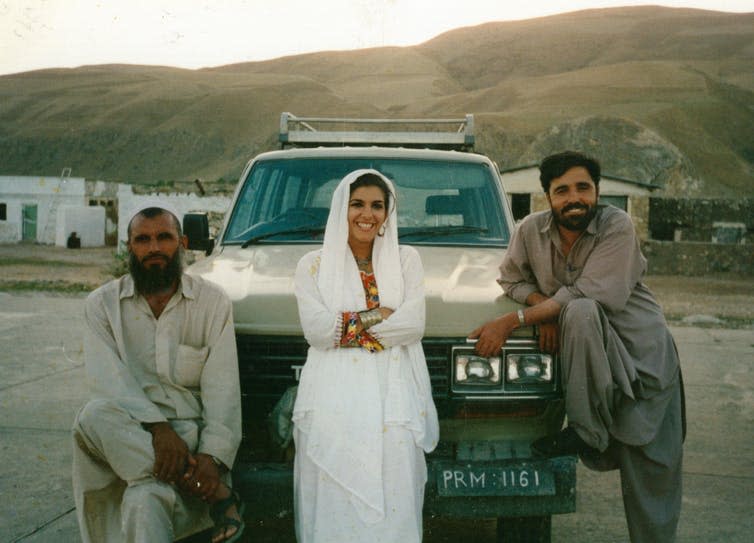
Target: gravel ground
x: 723, y: 299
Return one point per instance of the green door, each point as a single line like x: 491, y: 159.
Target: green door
x: 29, y: 220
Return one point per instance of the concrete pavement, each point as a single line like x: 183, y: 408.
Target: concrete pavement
x: 42, y: 385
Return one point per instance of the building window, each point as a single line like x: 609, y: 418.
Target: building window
x: 3, y: 212
x: 520, y: 205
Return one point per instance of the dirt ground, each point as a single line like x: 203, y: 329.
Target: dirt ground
x: 44, y: 385
x: 711, y: 300
x: 31, y: 263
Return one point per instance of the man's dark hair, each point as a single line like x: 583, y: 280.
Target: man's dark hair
x: 373, y: 180
x: 556, y: 165
x: 152, y: 212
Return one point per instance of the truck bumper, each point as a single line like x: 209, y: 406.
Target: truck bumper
x: 267, y: 488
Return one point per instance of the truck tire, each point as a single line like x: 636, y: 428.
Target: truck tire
x: 524, y: 529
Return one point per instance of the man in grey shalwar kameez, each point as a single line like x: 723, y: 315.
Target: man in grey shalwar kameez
x: 579, y: 268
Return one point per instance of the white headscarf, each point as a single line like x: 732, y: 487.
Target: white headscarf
x: 339, y: 274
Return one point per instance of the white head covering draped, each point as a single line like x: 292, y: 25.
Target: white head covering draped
x: 338, y: 273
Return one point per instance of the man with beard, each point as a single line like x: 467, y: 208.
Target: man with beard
x: 153, y: 446
x: 578, y: 267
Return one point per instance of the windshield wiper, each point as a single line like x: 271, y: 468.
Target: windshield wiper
x: 308, y: 230
x: 443, y: 231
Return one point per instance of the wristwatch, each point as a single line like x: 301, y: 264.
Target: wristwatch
x: 217, y: 461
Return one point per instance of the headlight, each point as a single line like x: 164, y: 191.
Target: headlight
x: 471, y: 369
x: 528, y: 368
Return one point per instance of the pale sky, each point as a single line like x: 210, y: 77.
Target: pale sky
x: 199, y: 33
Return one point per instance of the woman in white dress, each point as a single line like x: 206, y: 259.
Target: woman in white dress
x: 364, y: 415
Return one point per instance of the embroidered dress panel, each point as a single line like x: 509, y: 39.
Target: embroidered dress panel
x: 363, y: 339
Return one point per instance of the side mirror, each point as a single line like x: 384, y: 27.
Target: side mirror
x: 196, y: 229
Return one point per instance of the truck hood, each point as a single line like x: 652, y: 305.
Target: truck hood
x: 460, y: 286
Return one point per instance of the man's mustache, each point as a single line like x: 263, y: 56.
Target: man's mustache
x: 569, y: 207
x: 151, y: 256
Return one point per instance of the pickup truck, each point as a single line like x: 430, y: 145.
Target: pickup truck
x: 453, y: 210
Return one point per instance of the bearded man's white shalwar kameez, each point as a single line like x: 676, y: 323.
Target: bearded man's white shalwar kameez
x: 181, y: 368
x: 362, y: 420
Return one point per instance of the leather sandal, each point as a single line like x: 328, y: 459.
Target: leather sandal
x: 217, y: 513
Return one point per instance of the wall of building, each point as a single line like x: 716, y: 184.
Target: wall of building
x: 87, y: 221
x: 703, y: 220
x: 697, y: 258
x: 48, y: 194
x: 700, y: 236
x: 105, y: 194
x: 182, y: 203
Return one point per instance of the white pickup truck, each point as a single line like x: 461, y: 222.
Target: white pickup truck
x: 453, y: 210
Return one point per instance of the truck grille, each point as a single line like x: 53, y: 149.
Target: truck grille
x: 267, y: 368
x: 265, y: 365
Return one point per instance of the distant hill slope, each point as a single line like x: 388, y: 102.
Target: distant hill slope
x: 660, y: 95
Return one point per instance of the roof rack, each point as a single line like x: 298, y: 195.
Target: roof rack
x: 302, y: 132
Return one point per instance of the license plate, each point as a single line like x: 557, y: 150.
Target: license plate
x: 495, y: 481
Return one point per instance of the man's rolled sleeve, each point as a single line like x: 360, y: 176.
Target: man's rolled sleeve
x: 518, y: 291
x: 565, y: 294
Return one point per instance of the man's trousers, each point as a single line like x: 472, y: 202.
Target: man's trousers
x: 117, y: 498
x: 604, y: 397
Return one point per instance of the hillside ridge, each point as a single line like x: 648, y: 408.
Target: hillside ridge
x: 662, y: 95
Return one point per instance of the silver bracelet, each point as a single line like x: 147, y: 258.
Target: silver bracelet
x: 370, y: 318
x: 521, y: 320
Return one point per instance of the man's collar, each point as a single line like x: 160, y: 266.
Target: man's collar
x: 548, y: 223
x: 591, y: 228
x: 187, y: 286
x: 126, y: 286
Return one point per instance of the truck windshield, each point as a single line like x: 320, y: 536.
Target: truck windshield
x: 439, y: 202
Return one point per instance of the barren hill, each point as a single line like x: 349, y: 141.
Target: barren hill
x: 660, y: 95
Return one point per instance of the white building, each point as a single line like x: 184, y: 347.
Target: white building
x: 182, y: 203
x: 31, y: 207
x: 525, y: 195
x: 46, y: 210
